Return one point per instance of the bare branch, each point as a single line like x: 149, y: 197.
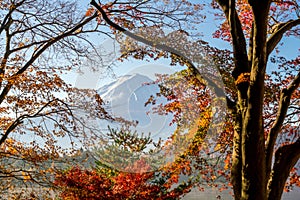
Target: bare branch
x: 284, y: 103
x: 6, y: 19
x: 282, y: 28
x: 42, y: 49
x: 21, y: 118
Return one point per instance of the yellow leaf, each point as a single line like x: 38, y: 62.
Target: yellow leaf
x: 21, y: 44
x: 26, y: 177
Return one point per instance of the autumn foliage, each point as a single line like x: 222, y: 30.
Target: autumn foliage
x: 262, y: 100
x: 77, y: 183
x: 256, y: 149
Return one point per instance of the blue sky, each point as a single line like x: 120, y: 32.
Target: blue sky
x: 289, y: 49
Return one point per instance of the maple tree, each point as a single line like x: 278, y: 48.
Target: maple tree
x: 40, y: 41
x: 264, y: 107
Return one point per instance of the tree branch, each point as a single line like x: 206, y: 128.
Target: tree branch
x: 218, y: 90
x: 6, y: 19
x: 282, y: 28
x: 238, y: 38
x: 21, y: 118
x: 42, y: 49
x: 284, y: 102
x: 250, y: 48
x: 285, y: 159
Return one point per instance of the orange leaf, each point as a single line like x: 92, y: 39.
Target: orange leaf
x: 89, y: 12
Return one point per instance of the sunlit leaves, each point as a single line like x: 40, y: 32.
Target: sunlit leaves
x: 280, y: 12
x: 35, y: 110
x: 105, y: 182
x: 89, y: 12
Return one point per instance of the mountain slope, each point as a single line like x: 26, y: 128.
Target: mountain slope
x: 126, y: 97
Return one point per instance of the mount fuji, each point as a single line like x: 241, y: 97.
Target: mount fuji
x: 126, y: 97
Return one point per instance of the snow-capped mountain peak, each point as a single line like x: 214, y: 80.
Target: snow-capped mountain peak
x: 126, y: 97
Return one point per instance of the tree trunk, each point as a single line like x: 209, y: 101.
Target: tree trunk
x: 236, y: 178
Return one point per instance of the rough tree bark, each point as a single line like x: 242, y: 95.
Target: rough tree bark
x: 252, y: 173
